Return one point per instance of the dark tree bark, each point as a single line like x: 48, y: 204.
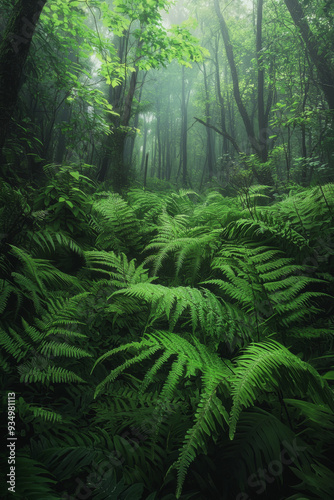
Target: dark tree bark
x: 14, y: 50
x: 224, y: 134
x: 130, y: 143
x: 159, y: 140
x: 321, y: 58
x: 168, y: 145
x: 221, y: 101
x: 260, y: 85
x: 184, y: 133
x: 209, y: 136
x: 235, y: 79
x: 144, y: 145
x: 113, y: 165
x: 258, y: 143
x: 145, y: 171
x: 61, y: 144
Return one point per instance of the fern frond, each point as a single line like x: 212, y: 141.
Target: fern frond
x: 144, y: 202
x: 321, y: 415
x: 38, y: 412
x: 269, y: 366
x: 6, y: 289
x: 317, y: 479
x: 114, y: 373
x: 260, y: 438
x: 54, y: 348
x: 205, y: 309
x: 117, y: 223
x: 13, y: 344
x: 190, y: 359
x: 210, y: 412
x: 266, y: 284
x: 30, y: 266
x: 35, y: 480
x: 56, y: 375
x: 121, y: 271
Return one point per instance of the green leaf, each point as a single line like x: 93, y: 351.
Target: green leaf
x: 75, y: 174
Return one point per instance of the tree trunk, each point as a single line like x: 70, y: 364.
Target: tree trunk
x: 61, y: 144
x: 14, y: 50
x: 264, y: 175
x: 221, y: 101
x: 132, y: 138
x: 263, y: 139
x: 145, y: 171
x: 321, y: 59
x: 209, y: 136
x: 144, y: 145
x: 184, y: 133
x: 235, y: 79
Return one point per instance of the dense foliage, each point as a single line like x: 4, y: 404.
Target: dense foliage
x: 166, y: 249
x: 168, y: 343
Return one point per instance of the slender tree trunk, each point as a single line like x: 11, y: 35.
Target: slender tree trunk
x: 61, y: 144
x: 153, y: 168
x: 260, y: 86
x: 145, y: 171
x: 113, y: 164
x: 144, y: 145
x: 184, y: 133
x: 209, y: 136
x: 321, y: 58
x: 263, y: 176
x: 159, y: 139
x: 235, y: 78
x: 14, y: 50
x: 303, y: 133
x: 221, y: 101
x: 132, y: 138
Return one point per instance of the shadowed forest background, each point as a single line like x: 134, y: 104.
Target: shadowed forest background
x: 167, y: 248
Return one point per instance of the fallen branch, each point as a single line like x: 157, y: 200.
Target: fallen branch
x: 224, y: 134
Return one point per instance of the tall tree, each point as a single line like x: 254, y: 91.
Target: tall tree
x: 184, y: 132
x: 319, y: 53
x: 143, y: 43
x: 14, y: 50
x: 258, y: 141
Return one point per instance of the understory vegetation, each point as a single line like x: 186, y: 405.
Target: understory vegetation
x: 168, y: 344
x: 167, y: 249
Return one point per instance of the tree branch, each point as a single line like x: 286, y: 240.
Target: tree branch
x: 224, y: 134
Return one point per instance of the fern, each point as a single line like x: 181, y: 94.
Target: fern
x: 54, y: 348
x: 180, y: 203
x: 116, y: 223
x: 145, y: 204
x: 37, y: 412
x: 209, y: 420
x: 266, y: 284
x: 48, y: 241
x: 260, y: 438
x: 6, y: 289
x: 13, y: 344
x: 189, y: 249
x: 205, y: 310
x: 216, y: 211
x: 54, y: 374
x: 321, y: 415
x: 121, y: 272
x: 268, y: 366
x: 317, y: 479
x: 190, y: 360
x: 35, y: 480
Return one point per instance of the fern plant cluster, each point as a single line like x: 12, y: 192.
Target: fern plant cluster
x: 168, y: 344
